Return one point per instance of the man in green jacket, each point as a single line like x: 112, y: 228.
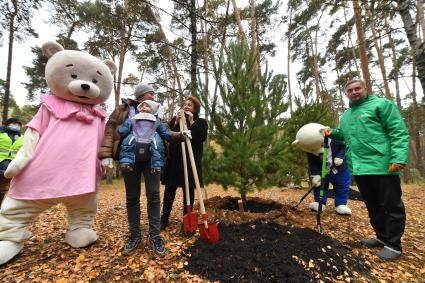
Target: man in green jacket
x: 377, y: 148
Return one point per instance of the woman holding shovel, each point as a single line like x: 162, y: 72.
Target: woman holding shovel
x: 174, y: 174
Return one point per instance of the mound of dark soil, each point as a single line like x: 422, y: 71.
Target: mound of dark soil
x: 256, y: 205
x: 268, y: 252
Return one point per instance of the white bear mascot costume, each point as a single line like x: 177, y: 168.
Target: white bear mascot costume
x: 58, y: 161
x: 310, y: 140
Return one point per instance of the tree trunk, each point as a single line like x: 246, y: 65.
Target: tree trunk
x: 9, y: 61
x: 238, y: 22
x: 421, y: 20
x: 394, y: 61
x: 350, y: 44
x: 362, y: 45
x: 194, y: 54
x: 169, y: 51
x: 416, y: 123
x: 315, y: 69
x: 415, y: 42
x: 123, y: 50
x: 378, y: 49
x: 254, y: 39
x: 289, y: 38
x: 204, y: 28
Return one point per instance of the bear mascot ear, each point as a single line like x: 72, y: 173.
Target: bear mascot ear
x: 50, y: 48
x: 111, y: 65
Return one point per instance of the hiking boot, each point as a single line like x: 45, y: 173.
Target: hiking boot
x: 132, y: 243
x: 125, y: 168
x: 372, y: 243
x: 388, y: 253
x: 157, y: 245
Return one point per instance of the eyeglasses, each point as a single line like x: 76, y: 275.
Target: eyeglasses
x: 356, y: 89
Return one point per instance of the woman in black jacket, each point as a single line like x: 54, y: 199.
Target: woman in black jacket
x: 174, y: 175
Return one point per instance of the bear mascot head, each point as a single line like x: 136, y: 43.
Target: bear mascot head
x: 309, y: 138
x: 77, y: 76
x: 58, y: 160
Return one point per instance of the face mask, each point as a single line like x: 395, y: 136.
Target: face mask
x: 14, y: 128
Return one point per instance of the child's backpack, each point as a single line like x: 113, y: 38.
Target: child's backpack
x: 143, y: 132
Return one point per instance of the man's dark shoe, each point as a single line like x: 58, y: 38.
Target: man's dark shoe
x: 372, y: 243
x: 388, y: 253
x: 157, y: 245
x: 163, y: 226
x: 132, y: 243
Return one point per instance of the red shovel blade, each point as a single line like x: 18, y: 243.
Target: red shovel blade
x: 190, y: 222
x: 209, y: 235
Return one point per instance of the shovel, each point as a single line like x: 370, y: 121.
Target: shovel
x: 304, y: 196
x: 322, y: 182
x: 190, y: 219
x: 208, y: 231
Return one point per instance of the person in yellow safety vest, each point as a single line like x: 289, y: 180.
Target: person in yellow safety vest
x: 11, y: 141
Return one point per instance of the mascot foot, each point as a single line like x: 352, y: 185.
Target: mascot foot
x: 81, y: 237
x: 315, y: 206
x: 343, y: 210
x: 9, y: 250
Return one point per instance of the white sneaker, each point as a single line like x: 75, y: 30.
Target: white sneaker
x: 315, y: 206
x: 343, y: 209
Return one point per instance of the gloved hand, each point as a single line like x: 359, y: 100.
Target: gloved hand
x: 338, y: 161
x: 315, y: 180
x: 107, y: 162
x: 326, y: 132
x: 394, y: 167
x: 187, y: 133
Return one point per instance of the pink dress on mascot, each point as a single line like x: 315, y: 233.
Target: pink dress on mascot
x: 58, y: 160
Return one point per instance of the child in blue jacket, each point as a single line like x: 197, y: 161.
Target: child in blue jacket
x: 141, y: 137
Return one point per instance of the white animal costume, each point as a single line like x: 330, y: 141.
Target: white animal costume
x: 310, y: 140
x: 58, y: 161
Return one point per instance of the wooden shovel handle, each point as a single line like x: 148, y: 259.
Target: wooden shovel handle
x: 195, y: 171
x: 186, y: 177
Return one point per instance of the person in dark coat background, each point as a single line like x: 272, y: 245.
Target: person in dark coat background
x: 174, y: 174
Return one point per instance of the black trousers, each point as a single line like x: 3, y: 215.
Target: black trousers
x: 169, y: 196
x: 382, y: 196
x: 132, y: 181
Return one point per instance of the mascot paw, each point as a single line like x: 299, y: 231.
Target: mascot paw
x: 315, y: 206
x: 81, y: 237
x: 9, y: 250
x: 11, y: 171
x: 343, y: 209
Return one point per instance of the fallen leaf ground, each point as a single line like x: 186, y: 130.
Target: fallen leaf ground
x: 46, y: 258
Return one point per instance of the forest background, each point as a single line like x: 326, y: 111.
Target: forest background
x: 262, y: 69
